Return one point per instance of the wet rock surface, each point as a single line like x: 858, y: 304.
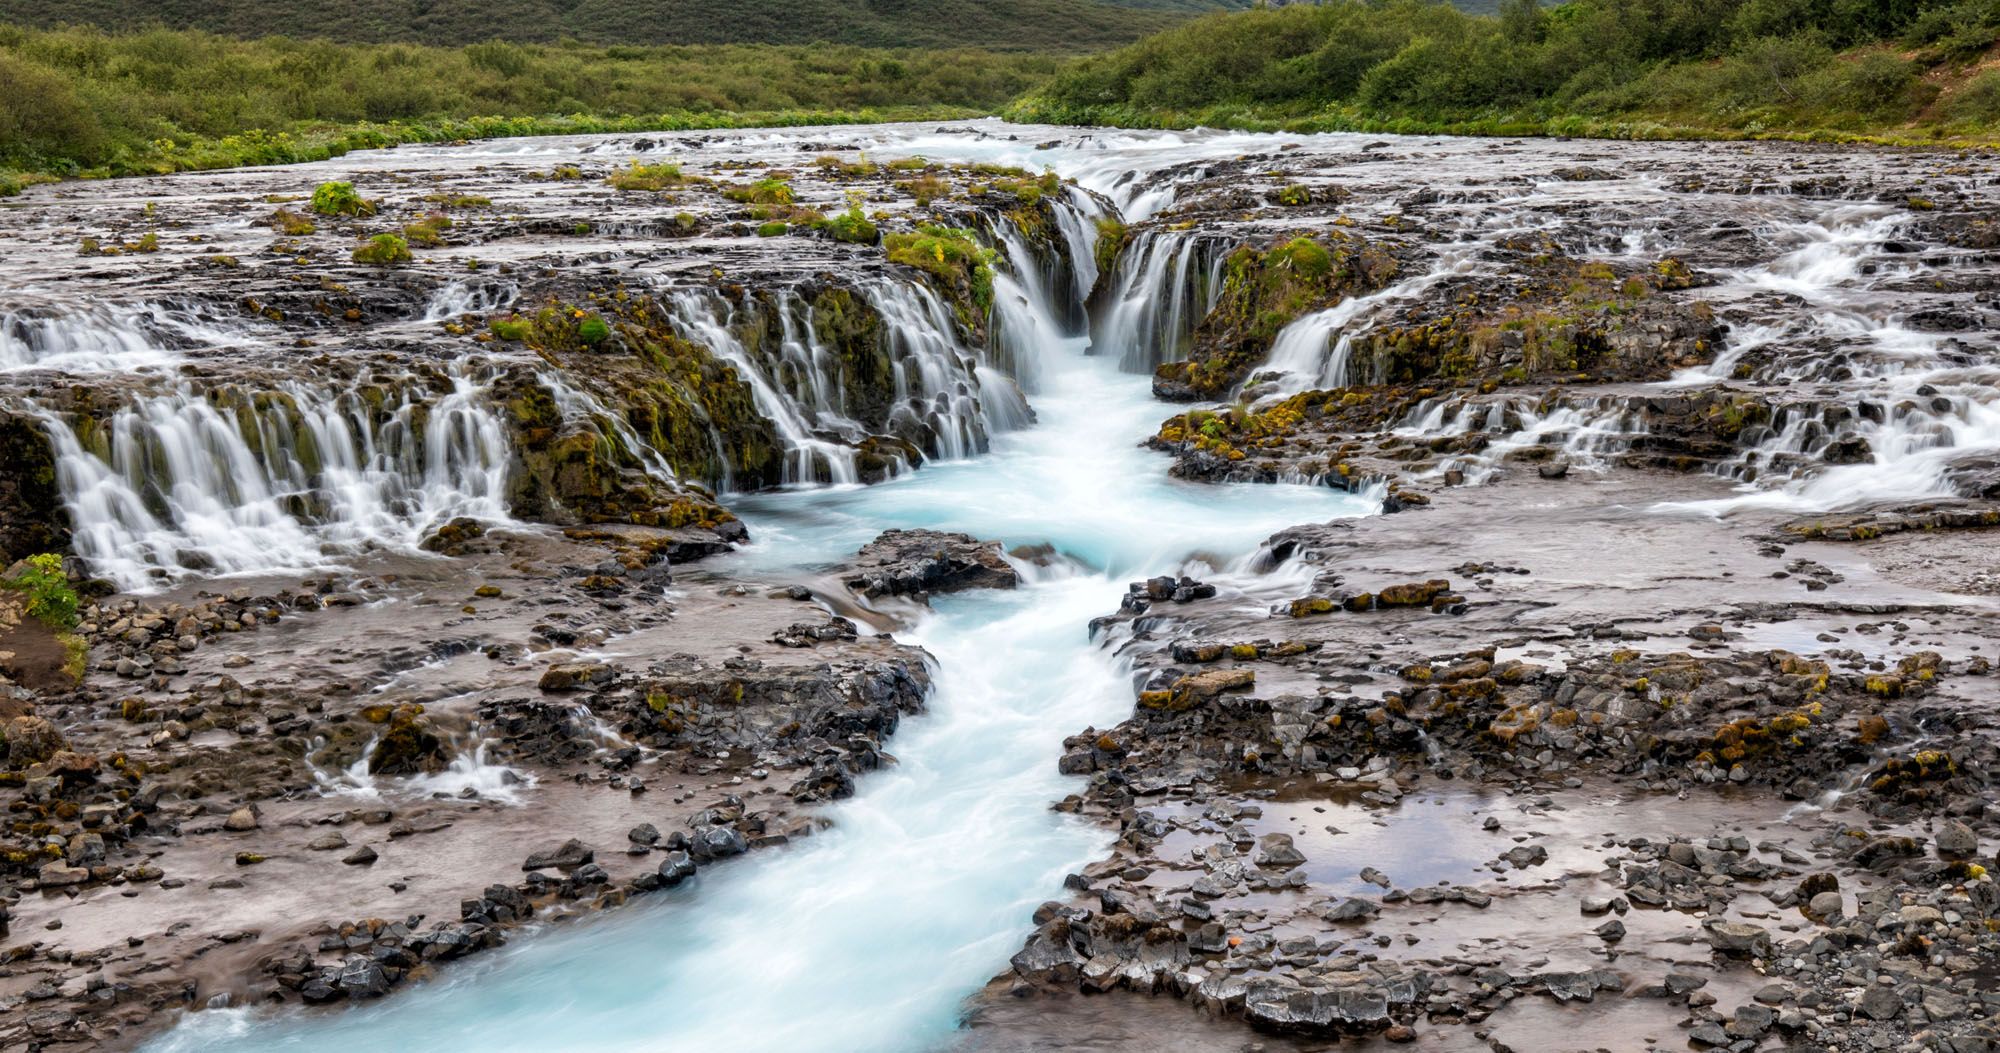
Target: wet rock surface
x: 1386, y: 832
x: 187, y: 810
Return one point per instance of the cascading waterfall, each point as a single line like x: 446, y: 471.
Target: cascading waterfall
x: 470, y: 297
x: 1587, y: 435
x: 1913, y: 403
x: 944, y: 398
x: 105, y: 339
x: 576, y: 404
x: 180, y: 482
x: 1314, y: 350
x: 1162, y: 286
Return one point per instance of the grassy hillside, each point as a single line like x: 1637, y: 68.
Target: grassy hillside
x: 1906, y: 69
x: 82, y: 101
x: 1009, y: 25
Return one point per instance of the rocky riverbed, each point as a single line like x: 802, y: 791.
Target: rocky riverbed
x: 427, y: 604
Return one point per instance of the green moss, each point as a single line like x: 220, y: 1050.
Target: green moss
x: 1295, y: 196
x: 291, y: 224
x: 951, y: 253
x: 646, y: 177
x: 593, y: 331
x: 383, y: 250
x: 340, y: 199
x: 770, y: 190
x: 1111, y: 236
x: 429, y: 231
x: 773, y: 229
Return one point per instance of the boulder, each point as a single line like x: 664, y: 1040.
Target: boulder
x: 914, y: 562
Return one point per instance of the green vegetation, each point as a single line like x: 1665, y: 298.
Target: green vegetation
x: 950, y: 253
x: 1833, y: 69
x: 645, y: 177
x: 428, y: 231
x: 83, y: 102
x: 339, y: 199
x: 292, y: 224
x: 50, y: 599
x: 383, y: 250
x: 771, y: 190
x: 853, y: 226
x: 1006, y: 25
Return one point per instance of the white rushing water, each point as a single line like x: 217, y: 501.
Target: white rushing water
x: 869, y: 936
x: 179, y: 483
x: 103, y: 339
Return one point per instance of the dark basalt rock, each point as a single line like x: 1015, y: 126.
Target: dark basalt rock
x: 917, y: 562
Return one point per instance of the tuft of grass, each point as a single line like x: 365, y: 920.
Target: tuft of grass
x: 291, y: 224
x: 383, y: 250
x: 771, y: 190
x: 428, y: 232
x: 645, y: 177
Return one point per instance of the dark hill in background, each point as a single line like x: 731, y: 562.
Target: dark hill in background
x: 1000, y: 25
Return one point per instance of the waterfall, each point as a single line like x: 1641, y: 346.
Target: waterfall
x: 1163, y: 285
x: 186, y: 482
x: 578, y: 405
x: 705, y: 317
x: 1034, y: 307
x: 474, y: 297
x: 943, y: 398
x: 104, y: 339
x: 1314, y: 350
x: 1587, y: 435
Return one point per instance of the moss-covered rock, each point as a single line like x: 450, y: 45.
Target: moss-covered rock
x: 1265, y: 289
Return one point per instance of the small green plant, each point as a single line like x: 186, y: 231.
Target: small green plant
x: 515, y: 329
x: 908, y: 164
x: 148, y: 242
x: 50, y: 598
x: 593, y: 331
x: 927, y: 189
x: 773, y: 229
x: 770, y: 190
x: 339, y: 199
x: 428, y: 231
x: 645, y: 177
x: 1295, y: 196
x: 291, y: 224
x: 852, y: 226
x: 383, y: 250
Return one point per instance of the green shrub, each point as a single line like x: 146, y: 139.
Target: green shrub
x: 1295, y: 196
x: 593, y: 331
x: 1977, y: 102
x: 50, y: 599
x: 339, y: 199
x: 383, y: 250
